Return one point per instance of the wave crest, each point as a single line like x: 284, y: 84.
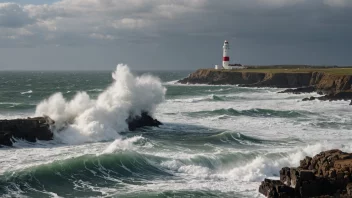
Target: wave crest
x: 88, y: 120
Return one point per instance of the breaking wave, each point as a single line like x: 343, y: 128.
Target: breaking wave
x: 108, y: 170
x: 89, y: 120
x: 122, y: 168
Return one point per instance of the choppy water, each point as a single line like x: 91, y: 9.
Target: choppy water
x: 217, y: 141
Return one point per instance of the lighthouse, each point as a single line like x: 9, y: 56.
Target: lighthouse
x: 226, y: 58
x: 225, y: 55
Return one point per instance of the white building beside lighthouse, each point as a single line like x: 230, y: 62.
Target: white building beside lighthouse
x: 226, y: 58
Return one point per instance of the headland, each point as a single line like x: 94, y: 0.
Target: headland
x: 331, y: 81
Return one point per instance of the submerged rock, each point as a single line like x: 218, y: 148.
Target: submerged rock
x: 300, y: 90
x: 333, y: 97
x: 328, y: 174
x: 309, y: 99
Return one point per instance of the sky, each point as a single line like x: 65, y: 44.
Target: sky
x: 172, y: 34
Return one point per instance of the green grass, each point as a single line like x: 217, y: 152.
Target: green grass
x: 337, y: 71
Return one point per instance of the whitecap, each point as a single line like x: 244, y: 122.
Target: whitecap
x: 27, y: 92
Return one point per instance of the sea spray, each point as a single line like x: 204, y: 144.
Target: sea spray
x: 88, y: 120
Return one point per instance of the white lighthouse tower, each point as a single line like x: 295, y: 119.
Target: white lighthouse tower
x: 225, y: 55
x: 226, y: 59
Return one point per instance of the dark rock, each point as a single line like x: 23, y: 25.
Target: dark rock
x: 333, y: 97
x: 309, y: 99
x: 349, y: 189
x: 328, y: 174
x: 275, y: 188
x: 5, y: 138
x: 285, y: 176
x: 337, y: 96
x: 306, y: 175
x: 40, y: 128
x: 142, y: 121
x: 300, y: 90
x: 30, y: 129
x: 305, y: 163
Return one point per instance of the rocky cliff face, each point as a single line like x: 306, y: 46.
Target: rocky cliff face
x: 328, y: 174
x: 331, y: 83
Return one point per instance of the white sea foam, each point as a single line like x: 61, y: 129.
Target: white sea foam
x: 264, y: 166
x: 194, y: 170
x: 101, y: 119
x: 27, y: 92
x: 123, y: 144
x: 173, y: 82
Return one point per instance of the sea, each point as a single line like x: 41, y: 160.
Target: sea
x: 215, y: 141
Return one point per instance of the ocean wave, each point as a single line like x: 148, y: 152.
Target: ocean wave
x: 269, y: 164
x: 16, y: 106
x: 88, y: 120
x: 209, y: 98
x: 257, y: 112
x: 173, y: 82
x: 230, y: 97
x: 95, y: 90
x: 81, y: 173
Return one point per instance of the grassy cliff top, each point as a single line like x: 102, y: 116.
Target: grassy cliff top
x: 337, y: 71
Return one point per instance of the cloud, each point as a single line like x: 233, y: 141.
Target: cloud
x: 102, y: 36
x: 12, y: 15
x: 72, y: 21
x: 338, y: 3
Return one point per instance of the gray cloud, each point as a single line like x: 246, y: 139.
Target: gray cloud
x: 280, y: 27
x: 13, y: 16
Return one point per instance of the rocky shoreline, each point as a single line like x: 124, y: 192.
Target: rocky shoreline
x: 334, y: 86
x: 40, y: 128
x: 328, y: 174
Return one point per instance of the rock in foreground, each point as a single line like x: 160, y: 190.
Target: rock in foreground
x: 328, y: 174
x: 30, y: 129
x: 39, y: 128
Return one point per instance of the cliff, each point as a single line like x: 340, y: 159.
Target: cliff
x: 329, y: 81
x: 328, y: 174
